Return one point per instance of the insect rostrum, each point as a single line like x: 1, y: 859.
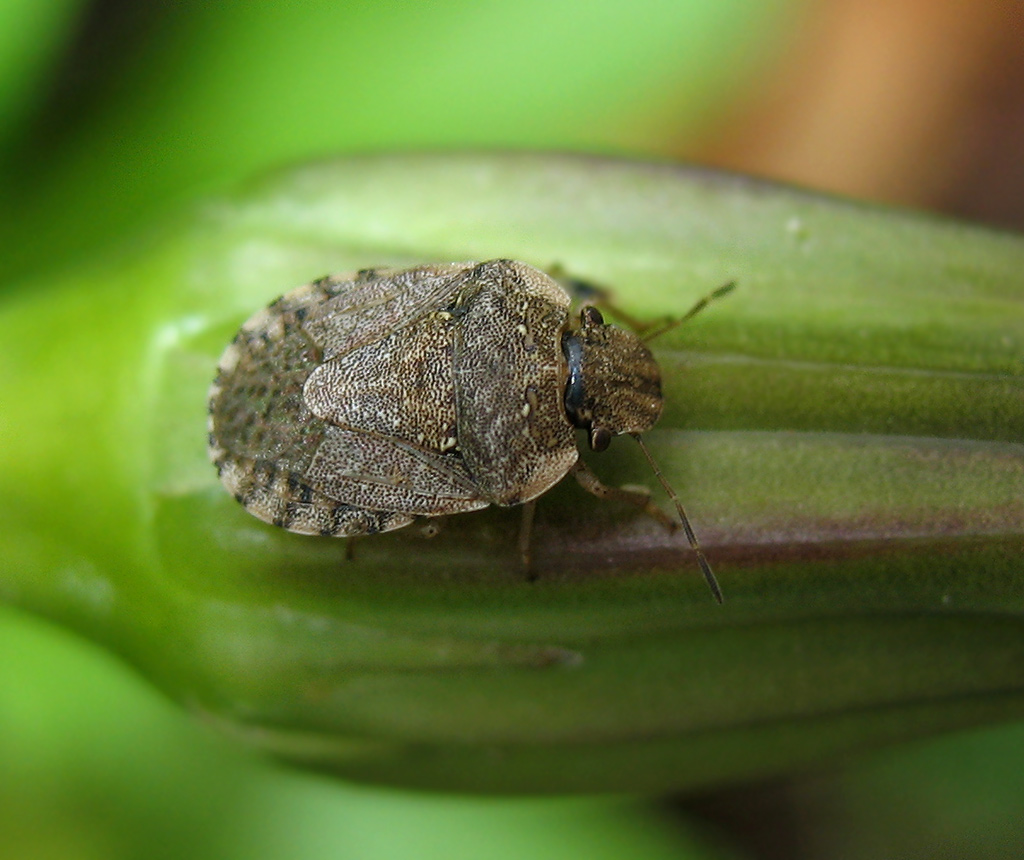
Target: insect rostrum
x: 358, y: 403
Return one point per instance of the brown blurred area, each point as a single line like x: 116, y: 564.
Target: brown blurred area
x: 915, y: 102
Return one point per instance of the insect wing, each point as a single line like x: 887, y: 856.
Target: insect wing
x: 345, y: 312
x: 386, y: 473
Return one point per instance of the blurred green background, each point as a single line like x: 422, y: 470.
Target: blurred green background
x: 113, y: 113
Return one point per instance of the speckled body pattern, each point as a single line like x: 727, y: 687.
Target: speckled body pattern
x: 358, y: 403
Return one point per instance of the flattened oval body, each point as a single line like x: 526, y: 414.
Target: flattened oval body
x: 357, y: 403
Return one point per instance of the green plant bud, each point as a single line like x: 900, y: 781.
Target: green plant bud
x: 846, y: 431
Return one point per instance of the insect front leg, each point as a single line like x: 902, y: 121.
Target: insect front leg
x: 589, y: 293
x: 638, y: 498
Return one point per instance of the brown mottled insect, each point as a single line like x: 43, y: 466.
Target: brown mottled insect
x: 359, y: 403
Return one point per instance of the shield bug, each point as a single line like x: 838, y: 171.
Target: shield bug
x: 359, y: 403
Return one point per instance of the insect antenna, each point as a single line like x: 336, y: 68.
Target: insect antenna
x: 698, y: 306
x: 685, y: 520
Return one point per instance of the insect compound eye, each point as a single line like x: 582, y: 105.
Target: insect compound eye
x: 600, y: 438
x: 591, y: 316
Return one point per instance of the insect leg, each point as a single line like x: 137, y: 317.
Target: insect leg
x: 638, y: 498
x: 525, y: 533
x: 586, y: 292
x: 592, y: 484
x: 589, y: 293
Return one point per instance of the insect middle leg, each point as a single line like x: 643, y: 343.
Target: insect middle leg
x: 525, y: 534
x: 638, y: 498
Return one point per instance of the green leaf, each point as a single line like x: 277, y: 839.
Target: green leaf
x: 845, y: 430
